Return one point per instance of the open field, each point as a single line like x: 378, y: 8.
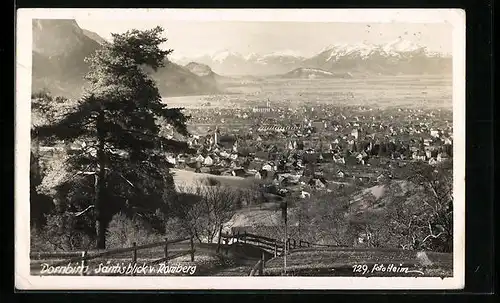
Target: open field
x: 266, y: 214
x: 381, y: 91
x: 186, y: 178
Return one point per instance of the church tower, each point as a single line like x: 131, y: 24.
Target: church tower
x: 235, y: 146
x: 216, y: 135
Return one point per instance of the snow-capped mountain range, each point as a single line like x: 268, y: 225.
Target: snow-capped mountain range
x: 395, y: 57
x: 227, y: 62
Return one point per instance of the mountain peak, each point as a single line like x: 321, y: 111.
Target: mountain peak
x: 54, y: 37
x: 46, y: 24
x: 392, y: 48
x: 401, y: 45
x: 224, y: 54
x: 94, y: 36
x: 283, y: 53
x: 199, y: 69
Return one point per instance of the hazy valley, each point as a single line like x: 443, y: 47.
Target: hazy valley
x: 337, y: 136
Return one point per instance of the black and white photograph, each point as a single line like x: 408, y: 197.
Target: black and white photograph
x: 240, y: 149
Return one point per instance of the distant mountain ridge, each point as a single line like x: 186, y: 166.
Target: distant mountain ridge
x: 232, y: 63
x: 60, y: 47
x: 198, y: 69
x: 313, y: 73
x: 396, y: 57
x: 94, y: 36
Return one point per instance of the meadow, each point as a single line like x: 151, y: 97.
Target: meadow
x: 187, y: 180
x: 341, y: 262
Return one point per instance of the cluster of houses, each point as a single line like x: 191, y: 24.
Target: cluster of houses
x: 304, y: 157
x: 283, y: 145
x: 325, y: 148
x: 415, y: 134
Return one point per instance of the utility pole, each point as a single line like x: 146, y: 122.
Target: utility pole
x: 284, y: 207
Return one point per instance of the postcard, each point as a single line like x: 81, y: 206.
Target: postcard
x: 240, y: 149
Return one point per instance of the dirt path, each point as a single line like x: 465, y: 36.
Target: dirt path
x: 230, y: 265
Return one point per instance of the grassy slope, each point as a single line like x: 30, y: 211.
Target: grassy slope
x: 302, y: 261
x: 190, y: 178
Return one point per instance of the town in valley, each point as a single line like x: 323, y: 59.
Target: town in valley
x: 338, y: 158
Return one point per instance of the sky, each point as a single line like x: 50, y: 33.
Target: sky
x: 192, y: 38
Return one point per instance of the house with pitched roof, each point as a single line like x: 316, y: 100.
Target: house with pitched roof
x: 208, y: 161
x: 442, y: 157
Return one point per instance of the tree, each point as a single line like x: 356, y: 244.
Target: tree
x: 40, y: 204
x: 203, y: 209
x: 45, y: 109
x: 119, y: 119
x: 437, y: 184
x: 382, y: 151
x: 322, y: 217
x: 420, y: 217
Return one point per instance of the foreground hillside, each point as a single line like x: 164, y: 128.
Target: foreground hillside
x: 358, y: 262
x: 61, y: 46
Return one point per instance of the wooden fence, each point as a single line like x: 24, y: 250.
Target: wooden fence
x: 86, y: 256
x: 258, y: 269
x: 275, y: 246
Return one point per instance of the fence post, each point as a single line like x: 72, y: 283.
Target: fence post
x: 166, y: 250
x: 245, y: 238
x: 219, y: 240
x: 84, y: 262
x: 294, y: 243
x: 192, y: 248
x: 261, y: 266
x: 134, y: 257
x: 275, y: 248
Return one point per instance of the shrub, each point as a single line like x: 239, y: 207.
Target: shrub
x: 203, y: 209
x: 38, y: 240
x: 124, y: 231
x: 62, y: 232
x: 174, y: 229
x: 209, y: 181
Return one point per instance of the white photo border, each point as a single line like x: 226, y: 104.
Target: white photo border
x: 23, y: 279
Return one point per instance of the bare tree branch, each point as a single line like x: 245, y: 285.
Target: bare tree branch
x: 77, y: 214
